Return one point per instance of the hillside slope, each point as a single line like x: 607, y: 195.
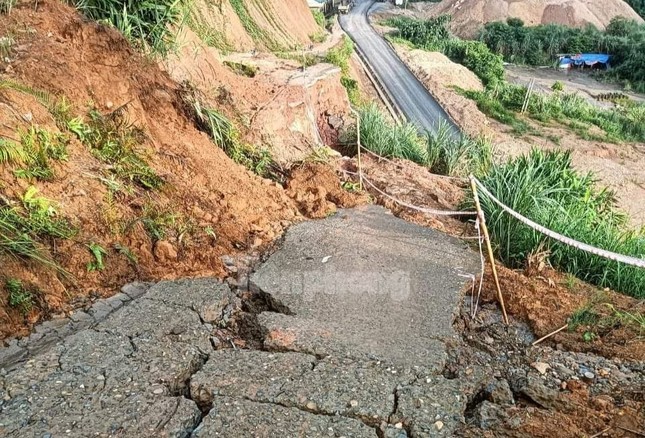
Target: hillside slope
x: 204, y: 199
x: 469, y: 15
x: 242, y: 25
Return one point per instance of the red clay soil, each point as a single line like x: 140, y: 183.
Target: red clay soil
x: 317, y: 192
x: 93, y: 66
x: 546, y: 299
x: 413, y: 184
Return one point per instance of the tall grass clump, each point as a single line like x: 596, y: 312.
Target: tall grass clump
x: 440, y: 151
x: 619, y: 124
x: 147, y: 23
x: 544, y: 187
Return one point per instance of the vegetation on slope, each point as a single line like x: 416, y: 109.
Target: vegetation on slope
x: 626, y: 123
x: 146, y: 23
x: 439, y: 151
x: 433, y: 35
x: 544, y: 187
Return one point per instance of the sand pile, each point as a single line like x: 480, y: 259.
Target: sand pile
x: 469, y: 15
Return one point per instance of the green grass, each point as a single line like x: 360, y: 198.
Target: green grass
x: 6, y: 46
x: 339, y: 55
x: 19, y: 297
x: 11, y: 152
x: 24, y: 228
x: 145, y: 23
x: 544, y: 187
x: 7, y: 5
x: 40, y: 149
x: 319, y: 17
x: 240, y: 68
x: 226, y: 136
x: 353, y: 92
x: 439, y: 151
x: 504, y: 102
x: 318, y: 37
x: 115, y: 141
x: 98, y: 255
x: 258, y: 34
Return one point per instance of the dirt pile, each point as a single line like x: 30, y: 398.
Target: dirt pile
x: 206, y: 206
x: 440, y: 76
x: 469, y: 15
x: 242, y: 25
x: 281, y: 108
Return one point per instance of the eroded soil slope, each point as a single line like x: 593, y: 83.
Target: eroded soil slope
x: 205, y: 205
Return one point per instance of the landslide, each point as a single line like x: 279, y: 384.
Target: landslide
x: 208, y: 206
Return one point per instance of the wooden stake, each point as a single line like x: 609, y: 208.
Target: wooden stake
x: 482, y: 222
x: 550, y: 334
x: 358, y: 147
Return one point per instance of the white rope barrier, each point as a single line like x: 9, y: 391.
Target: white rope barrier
x: 415, y: 207
x: 379, y: 157
x: 633, y: 261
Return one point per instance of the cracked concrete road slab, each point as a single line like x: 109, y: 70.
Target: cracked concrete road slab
x: 368, y: 285
x: 363, y: 300
x: 232, y: 417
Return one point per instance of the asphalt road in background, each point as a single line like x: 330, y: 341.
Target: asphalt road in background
x: 412, y: 98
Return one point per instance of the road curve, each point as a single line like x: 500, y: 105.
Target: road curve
x: 412, y: 98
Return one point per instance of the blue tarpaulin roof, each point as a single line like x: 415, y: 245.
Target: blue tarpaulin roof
x: 586, y: 59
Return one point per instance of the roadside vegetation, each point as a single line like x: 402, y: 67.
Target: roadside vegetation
x: 505, y: 101
x: 226, y: 136
x: 623, y: 39
x: 544, y: 187
x: 145, y: 23
x: 440, y: 152
x: 433, y: 35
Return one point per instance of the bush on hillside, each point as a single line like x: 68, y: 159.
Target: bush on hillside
x: 623, y: 39
x: 433, y: 35
x: 439, y: 151
x: 544, y: 187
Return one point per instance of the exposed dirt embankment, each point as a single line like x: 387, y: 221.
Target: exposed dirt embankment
x: 440, y: 76
x: 242, y: 25
x: 282, y: 108
x: 206, y: 207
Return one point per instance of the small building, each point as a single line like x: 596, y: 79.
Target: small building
x: 324, y: 6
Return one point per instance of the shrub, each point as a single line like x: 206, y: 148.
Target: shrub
x: 39, y: 149
x: 340, y: 54
x: 19, y: 297
x: 544, y: 187
x: 433, y: 35
x: 115, y: 141
x: 144, y: 22
x: 319, y: 17
x: 242, y: 69
x: 7, y: 5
